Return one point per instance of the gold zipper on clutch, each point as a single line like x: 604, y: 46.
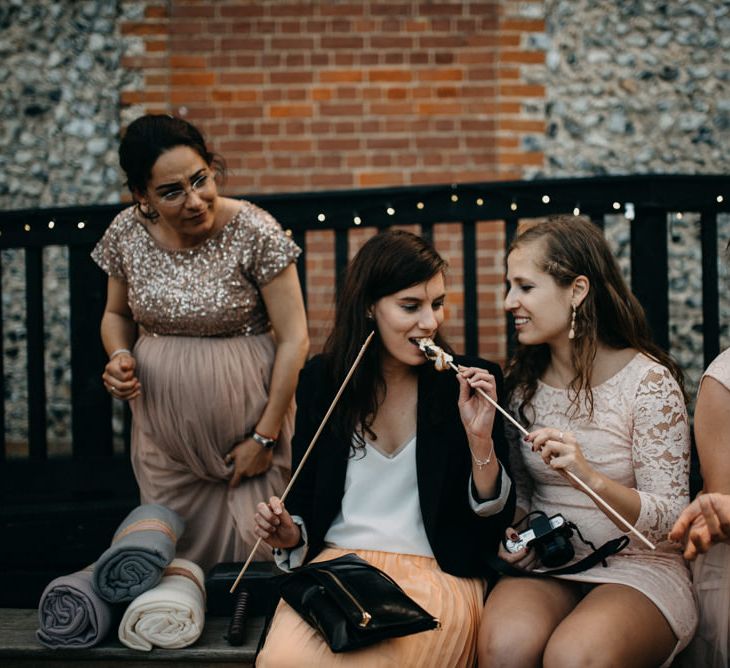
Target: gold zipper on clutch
x: 365, y: 615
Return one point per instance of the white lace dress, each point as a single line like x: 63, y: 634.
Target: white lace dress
x: 638, y: 436
x: 711, y: 575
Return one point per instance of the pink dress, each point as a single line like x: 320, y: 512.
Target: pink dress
x: 204, y: 358
x: 711, y: 575
x: 639, y: 437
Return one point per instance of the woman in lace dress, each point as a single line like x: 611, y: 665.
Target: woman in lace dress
x: 704, y: 526
x: 605, y: 403
x: 197, y: 282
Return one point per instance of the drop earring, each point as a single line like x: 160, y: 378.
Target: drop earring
x: 571, y: 333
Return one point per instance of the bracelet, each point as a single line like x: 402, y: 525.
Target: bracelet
x: 481, y: 463
x: 120, y: 351
x: 264, y: 441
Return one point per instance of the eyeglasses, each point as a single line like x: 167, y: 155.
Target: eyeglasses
x: 202, y: 185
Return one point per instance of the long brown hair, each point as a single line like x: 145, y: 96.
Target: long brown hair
x: 387, y: 263
x: 610, y: 313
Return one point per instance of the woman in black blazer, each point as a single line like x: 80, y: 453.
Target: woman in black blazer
x: 407, y: 472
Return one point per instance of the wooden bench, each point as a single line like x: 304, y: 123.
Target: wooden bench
x: 19, y: 647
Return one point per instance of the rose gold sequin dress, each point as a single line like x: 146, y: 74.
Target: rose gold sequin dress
x: 204, y: 359
x: 639, y: 437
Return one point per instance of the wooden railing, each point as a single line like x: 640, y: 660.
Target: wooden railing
x: 71, y: 501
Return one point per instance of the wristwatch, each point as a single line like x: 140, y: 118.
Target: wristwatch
x: 264, y: 441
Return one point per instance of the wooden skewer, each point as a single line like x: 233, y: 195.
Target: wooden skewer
x: 309, y: 448
x: 597, y: 498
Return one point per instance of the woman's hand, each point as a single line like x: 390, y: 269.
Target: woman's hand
x: 525, y: 558
x: 120, y: 379
x: 275, y: 525
x: 249, y: 459
x: 477, y: 414
x: 561, y: 452
x: 705, y: 522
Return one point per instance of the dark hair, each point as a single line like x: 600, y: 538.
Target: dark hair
x: 150, y: 136
x: 610, y: 313
x: 387, y: 263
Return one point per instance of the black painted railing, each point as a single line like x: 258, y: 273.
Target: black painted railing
x: 94, y: 477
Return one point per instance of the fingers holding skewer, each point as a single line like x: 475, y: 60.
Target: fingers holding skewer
x: 561, y: 452
x: 275, y: 525
x: 477, y: 400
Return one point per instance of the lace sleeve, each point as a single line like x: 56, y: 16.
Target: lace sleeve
x: 660, y: 453
x: 518, y: 472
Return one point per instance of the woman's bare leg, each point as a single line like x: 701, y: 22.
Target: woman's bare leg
x: 614, y: 625
x: 519, y: 617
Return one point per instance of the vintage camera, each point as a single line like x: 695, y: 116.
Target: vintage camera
x: 549, y: 536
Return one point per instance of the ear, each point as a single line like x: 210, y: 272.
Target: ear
x: 581, y: 287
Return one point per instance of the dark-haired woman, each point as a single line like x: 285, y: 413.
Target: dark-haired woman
x: 406, y: 474
x: 197, y: 283
x: 605, y: 403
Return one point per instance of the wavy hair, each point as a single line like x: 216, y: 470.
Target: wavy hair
x: 387, y: 263
x: 610, y: 313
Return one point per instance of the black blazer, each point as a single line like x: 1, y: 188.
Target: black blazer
x: 458, y: 537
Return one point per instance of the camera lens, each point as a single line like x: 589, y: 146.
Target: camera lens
x: 555, y: 550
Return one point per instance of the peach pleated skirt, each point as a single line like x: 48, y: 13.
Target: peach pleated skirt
x: 200, y: 396
x: 456, y: 602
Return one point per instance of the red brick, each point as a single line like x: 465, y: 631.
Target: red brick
x: 188, y: 61
x: 192, y: 78
x: 202, y: 10
x: 530, y: 57
x: 286, y: 110
x: 291, y: 77
x: 144, y: 29
x: 334, y: 76
x: 441, y: 74
x: 389, y: 75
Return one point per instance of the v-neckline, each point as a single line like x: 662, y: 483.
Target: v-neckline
x: 397, y: 451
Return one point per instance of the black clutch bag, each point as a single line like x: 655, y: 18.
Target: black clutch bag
x: 259, y: 580
x: 353, y: 604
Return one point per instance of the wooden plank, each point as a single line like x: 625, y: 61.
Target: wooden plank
x: 20, y: 647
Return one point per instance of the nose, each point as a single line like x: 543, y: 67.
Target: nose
x: 510, y: 300
x: 428, y: 320
x: 193, y: 200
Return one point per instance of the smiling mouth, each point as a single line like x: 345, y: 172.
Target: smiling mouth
x: 520, y: 321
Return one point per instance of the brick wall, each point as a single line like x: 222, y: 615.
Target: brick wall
x: 328, y: 95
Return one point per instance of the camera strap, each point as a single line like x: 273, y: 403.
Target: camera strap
x: 600, y: 555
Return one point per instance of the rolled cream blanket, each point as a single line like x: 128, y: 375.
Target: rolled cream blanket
x: 71, y: 614
x: 172, y: 615
x: 142, y: 546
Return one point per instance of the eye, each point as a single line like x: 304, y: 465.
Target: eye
x: 172, y: 195
x: 526, y: 288
x: 200, y: 181
x: 438, y: 304
x: 409, y: 307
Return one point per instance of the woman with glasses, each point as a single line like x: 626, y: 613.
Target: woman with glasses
x: 198, y: 283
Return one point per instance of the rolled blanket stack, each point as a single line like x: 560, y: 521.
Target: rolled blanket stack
x: 71, y: 614
x: 172, y: 615
x: 143, y: 545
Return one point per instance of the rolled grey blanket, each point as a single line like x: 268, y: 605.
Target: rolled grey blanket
x: 71, y: 614
x: 142, y: 546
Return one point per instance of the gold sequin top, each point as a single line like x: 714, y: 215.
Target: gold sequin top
x: 209, y: 290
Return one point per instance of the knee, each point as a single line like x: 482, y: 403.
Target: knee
x: 501, y: 645
x: 563, y: 651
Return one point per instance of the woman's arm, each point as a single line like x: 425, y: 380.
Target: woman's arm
x: 660, y: 457
x: 284, y: 304
x: 119, y: 332
x: 712, y: 435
